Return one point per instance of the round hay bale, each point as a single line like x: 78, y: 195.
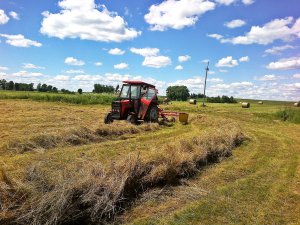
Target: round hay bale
x: 260, y: 102
x: 245, y: 105
x: 193, y: 101
x: 297, y: 104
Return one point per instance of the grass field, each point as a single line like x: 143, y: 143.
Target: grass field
x: 60, y: 163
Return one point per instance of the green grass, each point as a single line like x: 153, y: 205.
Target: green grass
x: 289, y: 114
x: 84, y: 99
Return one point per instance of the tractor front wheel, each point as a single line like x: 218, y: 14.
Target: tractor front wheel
x: 132, y: 119
x: 108, y: 119
x: 153, y: 114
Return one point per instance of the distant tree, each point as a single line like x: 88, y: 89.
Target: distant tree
x: 3, y: 84
x: 39, y: 87
x: 193, y: 95
x: 10, y: 86
x: 180, y: 93
x: 223, y: 99
x: 100, y: 88
x: 54, y: 89
x: 79, y: 91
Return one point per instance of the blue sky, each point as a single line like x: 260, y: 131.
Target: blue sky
x: 252, y: 45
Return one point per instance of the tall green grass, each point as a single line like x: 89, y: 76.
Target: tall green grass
x: 289, y: 114
x: 84, y: 99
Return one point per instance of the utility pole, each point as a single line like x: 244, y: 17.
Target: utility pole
x: 207, y: 69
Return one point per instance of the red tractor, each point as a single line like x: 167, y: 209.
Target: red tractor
x: 137, y: 102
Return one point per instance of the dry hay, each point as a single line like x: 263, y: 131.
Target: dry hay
x: 93, y: 195
x: 79, y: 136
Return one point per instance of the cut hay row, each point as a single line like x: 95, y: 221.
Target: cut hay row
x: 93, y: 195
x: 78, y: 136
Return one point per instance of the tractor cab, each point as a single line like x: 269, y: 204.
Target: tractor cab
x: 137, y: 102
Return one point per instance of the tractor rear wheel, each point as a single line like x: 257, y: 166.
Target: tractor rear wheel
x: 108, y: 118
x: 153, y: 114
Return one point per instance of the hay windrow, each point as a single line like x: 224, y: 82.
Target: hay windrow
x: 78, y: 136
x: 94, y: 195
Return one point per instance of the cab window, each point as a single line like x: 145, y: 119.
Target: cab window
x: 150, y: 94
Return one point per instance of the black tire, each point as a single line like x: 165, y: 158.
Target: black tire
x: 132, y: 119
x: 153, y: 114
x: 108, y: 119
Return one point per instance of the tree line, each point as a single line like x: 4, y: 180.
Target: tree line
x: 182, y: 93
x: 100, y: 88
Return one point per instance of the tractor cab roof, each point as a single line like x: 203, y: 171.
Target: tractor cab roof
x: 138, y: 83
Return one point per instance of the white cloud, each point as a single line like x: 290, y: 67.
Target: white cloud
x: 235, y: 23
x: 223, y: 71
x: 227, y: 62
x: 225, y: 2
x: 152, y: 59
x: 215, y: 36
x: 205, y: 61
x: 61, y: 78
x: 14, y: 15
x: 88, y: 78
x: 74, y: 62
x: 157, y: 61
x: 74, y: 71
x: 85, y: 20
x: 98, y: 63
x: 277, y: 29
x: 297, y: 75
x: 24, y: 73
x: 194, y: 84
x: 244, y: 59
x: 179, y: 67
x: 276, y: 50
x: 3, y: 17
x: 3, y: 68
x: 20, y: 41
x: 176, y: 14
x: 31, y: 66
x: 268, y: 78
x: 215, y: 80
x: 121, y: 66
x: 248, y: 2
x: 184, y: 58
x: 285, y: 64
x: 145, y: 51
x: 116, y: 51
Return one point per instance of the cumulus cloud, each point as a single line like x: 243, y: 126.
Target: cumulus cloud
x: 184, y: 58
x: 74, y: 62
x: 285, y: 29
x: 215, y: 80
x: 85, y: 20
x: 116, y: 51
x: 244, y: 59
x: 31, y: 66
x: 121, y: 66
x: 179, y: 67
x: 248, y: 2
x: 235, y: 23
x: 145, y: 51
x: 75, y: 71
x: 268, y: 78
x: 225, y: 2
x: 3, y: 17
x: 215, y: 36
x: 14, y: 15
x: 227, y: 62
x: 98, y: 63
x: 276, y: 50
x: 296, y: 76
x: 285, y: 64
x: 176, y: 14
x: 61, y: 78
x: 24, y: 73
x: 152, y: 59
x: 157, y: 61
x: 3, y: 68
x: 20, y: 41
x: 223, y: 71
